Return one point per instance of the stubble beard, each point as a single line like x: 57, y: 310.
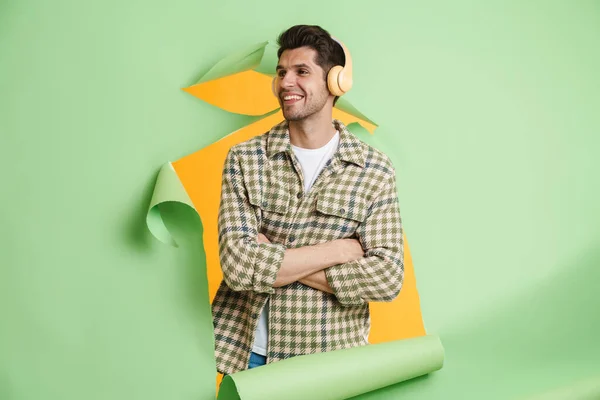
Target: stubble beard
x: 308, y: 110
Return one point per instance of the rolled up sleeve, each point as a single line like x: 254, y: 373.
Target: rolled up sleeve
x: 378, y: 276
x: 246, y: 264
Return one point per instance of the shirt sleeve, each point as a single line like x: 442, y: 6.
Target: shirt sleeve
x: 246, y: 265
x: 379, y: 275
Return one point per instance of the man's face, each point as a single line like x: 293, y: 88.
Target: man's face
x: 301, y: 86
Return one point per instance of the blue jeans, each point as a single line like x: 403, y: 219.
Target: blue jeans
x: 256, y: 360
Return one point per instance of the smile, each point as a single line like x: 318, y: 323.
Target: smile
x: 291, y: 98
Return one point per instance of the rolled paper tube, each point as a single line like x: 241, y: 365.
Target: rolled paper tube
x: 338, y: 374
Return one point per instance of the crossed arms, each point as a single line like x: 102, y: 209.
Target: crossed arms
x: 307, y: 264
x: 355, y: 271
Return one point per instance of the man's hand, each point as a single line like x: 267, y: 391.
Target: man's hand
x: 348, y: 250
x: 262, y: 239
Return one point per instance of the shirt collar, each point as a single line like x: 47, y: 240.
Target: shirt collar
x: 350, y: 149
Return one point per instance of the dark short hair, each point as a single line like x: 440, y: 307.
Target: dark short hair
x: 329, y: 52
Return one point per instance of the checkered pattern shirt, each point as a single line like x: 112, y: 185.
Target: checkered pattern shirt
x: 262, y: 192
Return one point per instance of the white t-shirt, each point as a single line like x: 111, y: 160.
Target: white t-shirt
x: 312, y: 162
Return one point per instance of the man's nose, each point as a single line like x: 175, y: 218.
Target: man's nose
x: 288, y: 81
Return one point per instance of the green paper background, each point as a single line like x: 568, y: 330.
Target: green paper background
x: 490, y: 112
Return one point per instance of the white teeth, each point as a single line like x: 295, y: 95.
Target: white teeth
x: 292, y: 97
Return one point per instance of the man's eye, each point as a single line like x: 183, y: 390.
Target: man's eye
x: 303, y: 72
x: 281, y: 74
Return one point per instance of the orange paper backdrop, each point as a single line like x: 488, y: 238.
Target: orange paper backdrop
x: 200, y: 174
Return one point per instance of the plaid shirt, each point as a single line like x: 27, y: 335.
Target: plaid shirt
x: 353, y: 197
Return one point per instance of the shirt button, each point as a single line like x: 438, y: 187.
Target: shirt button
x: 342, y: 211
x: 264, y: 203
x: 292, y: 238
x: 299, y: 195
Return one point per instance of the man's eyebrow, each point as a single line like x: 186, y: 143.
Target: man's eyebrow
x: 294, y: 66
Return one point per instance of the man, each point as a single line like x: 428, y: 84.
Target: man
x: 309, y: 225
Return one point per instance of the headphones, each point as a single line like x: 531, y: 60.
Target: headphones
x: 339, y: 78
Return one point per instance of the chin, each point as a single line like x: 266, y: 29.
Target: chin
x: 293, y: 117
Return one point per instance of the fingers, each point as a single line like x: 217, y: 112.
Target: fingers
x: 262, y: 239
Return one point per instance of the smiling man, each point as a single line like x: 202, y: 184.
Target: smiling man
x: 309, y: 223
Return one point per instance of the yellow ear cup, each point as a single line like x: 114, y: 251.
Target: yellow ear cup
x: 339, y: 79
x: 345, y: 79
x: 333, y: 80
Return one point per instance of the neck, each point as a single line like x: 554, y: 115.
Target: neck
x: 312, y: 132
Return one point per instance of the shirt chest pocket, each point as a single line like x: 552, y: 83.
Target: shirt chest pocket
x: 339, y: 217
x: 271, y: 205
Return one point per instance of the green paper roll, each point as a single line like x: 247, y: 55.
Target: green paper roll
x: 168, y: 189
x: 338, y: 374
